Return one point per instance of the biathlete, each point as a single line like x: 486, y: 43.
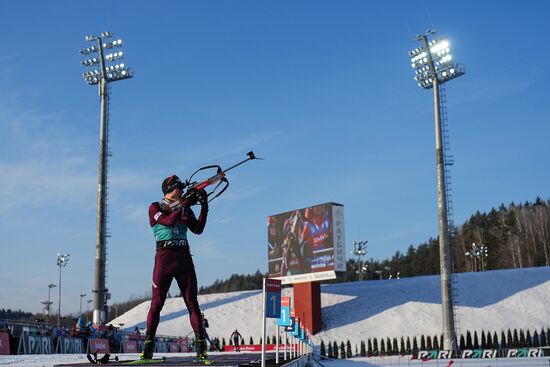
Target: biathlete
x: 170, y: 219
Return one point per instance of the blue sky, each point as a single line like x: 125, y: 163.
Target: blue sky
x: 323, y: 90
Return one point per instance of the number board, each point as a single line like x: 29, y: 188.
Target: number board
x: 273, y: 298
x: 290, y: 327
x: 284, y: 320
x: 297, y: 327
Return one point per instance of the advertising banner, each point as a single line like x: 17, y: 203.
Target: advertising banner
x: 4, y: 344
x: 34, y: 344
x: 129, y: 346
x: 69, y: 345
x: 100, y: 345
x: 174, y: 347
x: 161, y: 347
x: 184, y: 345
x: 307, y: 244
x: 255, y: 347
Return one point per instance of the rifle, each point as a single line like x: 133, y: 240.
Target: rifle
x: 220, y: 178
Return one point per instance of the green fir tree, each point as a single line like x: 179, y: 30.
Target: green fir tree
x: 469, y: 344
x: 515, y: 343
x: 349, y: 354
x: 522, y: 342
x: 330, y: 354
x: 369, y: 348
x: 382, y: 347
x: 543, y: 340
x: 323, y: 352
x: 342, y: 350
x: 363, y: 349
x: 476, y: 340
x: 334, y: 349
x: 422, y: 342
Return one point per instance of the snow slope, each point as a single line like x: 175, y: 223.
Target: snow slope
x: 490, y: 301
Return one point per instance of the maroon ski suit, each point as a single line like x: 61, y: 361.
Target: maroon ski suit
x: 174, y: 262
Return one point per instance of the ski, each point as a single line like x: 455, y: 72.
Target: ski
x: 106, y: 359
x: 203, y: 361
x: 139, y: 362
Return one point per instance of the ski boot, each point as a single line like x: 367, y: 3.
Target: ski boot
x: 200, y: 349
x: 148, y: 349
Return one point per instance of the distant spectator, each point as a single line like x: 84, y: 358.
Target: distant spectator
x: 236, y: 337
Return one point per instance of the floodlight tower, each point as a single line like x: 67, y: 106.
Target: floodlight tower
x: 62, y: 260
x: 104, y: 66
x: 359, y: 249
x: 433, y: 65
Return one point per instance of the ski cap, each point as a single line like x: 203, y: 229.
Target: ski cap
x: 171, y: 183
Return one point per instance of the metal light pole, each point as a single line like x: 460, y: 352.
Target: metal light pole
x: 62, y: 261
x: 480, y: 254
x: 88, y: 309
x: 359, y: 249
x: 48, y: 303
x: 100, y: 72
x: 81, y: 296
x: 433, y: 66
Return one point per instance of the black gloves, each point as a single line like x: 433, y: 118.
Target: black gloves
x: 203, y: 197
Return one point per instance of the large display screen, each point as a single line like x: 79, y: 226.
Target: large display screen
x: 307, y: 244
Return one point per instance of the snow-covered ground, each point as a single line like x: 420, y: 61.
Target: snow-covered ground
x: 56, y: 359
x: 490, y: 301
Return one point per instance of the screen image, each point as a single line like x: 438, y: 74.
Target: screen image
x: 301, y: 244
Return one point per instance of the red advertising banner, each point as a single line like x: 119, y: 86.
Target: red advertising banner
x: 4, y: 343
x: 100, y: 345
x: 256, y: 347
x: 173, y: 348
x: 184, y: 345
x: 273, y: 286
x: 129, y: 347
x: 285, y: 301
